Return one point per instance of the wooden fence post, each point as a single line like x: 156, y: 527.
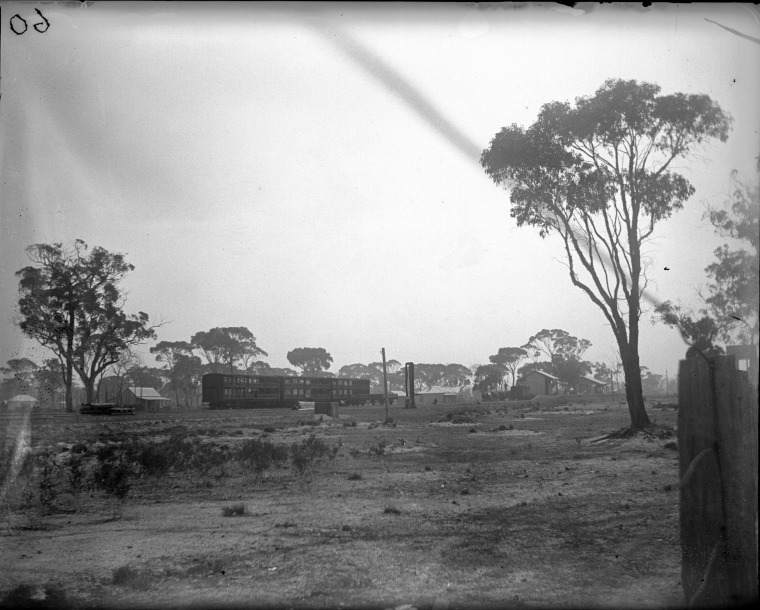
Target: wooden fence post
x: 717, y: 440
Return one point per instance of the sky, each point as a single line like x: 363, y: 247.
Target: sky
x: 310, y: 171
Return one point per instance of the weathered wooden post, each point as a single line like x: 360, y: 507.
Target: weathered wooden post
x: 409, y: 385
x: 717, y: 440
x: 385, y: 387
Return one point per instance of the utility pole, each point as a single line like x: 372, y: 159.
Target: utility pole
x: 385, y: 387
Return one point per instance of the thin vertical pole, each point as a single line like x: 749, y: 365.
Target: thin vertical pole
x: 385, y: 385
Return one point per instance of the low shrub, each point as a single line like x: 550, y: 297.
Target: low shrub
x: 234, y: 510
x: 46, y: 471
x: 125, y: 576
x: 79, y: 448
x: 75, y: 472
x: 31, y: 596
x: 355, y: 476
x: 380, y: 449
x: 112, y: 474
x: 309, y: 453
x: 392, y: 510
x: 156, y: 459
x: 261, y: 455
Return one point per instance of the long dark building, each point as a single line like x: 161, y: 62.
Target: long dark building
x: 222, y: 391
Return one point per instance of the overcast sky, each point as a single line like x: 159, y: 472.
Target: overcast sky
x: 311, y: 172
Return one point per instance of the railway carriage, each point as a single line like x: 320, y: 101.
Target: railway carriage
x: 224, y: 391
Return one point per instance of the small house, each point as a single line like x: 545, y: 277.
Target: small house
x: 21, y: 402
x: 539, y: 382
x: 591, y: 385
x: 144, y: 399
x: 437, y: 395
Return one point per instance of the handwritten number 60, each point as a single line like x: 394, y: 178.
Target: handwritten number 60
x: 17, y: 22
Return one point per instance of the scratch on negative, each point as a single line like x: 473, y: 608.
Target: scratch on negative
x: 733, y: 31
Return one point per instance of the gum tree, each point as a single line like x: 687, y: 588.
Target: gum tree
x: 311, y: 360
x: 510, y: 358
x: 70, y: 303
x: 225, y: 347
x: 170, y: 353
x: 600, y: 175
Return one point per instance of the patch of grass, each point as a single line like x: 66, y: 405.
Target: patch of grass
x: 234, y: 510
x: 126, y: 576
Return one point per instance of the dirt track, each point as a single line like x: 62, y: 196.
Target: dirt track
x: 513, y: 506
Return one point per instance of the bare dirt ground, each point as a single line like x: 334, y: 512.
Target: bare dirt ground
x: 498, y: 505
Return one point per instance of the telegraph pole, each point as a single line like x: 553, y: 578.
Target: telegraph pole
x: 385, y: 386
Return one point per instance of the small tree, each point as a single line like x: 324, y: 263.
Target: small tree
x: 170, y: 352
x: 70, y: 303
x: 489, y: 377
x: 49, y: 379
x: 22, y: 377
x: 730, y: 313
x: 599, y: 174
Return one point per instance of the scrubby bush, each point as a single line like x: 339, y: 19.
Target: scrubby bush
x: 28, y: 596
x: 46, y: 471
x: 125, y: 576
x: 260, y: 455
x: 154, y: 459
x: 234, y: 510
x: 309, y: 453
x: 112, y: 474
x: 380, y: 449
x: 75, y: 472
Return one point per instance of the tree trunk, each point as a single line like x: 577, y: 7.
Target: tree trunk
x: 89, y: 387
x: 633, y: 391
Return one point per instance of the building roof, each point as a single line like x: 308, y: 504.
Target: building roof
x: 146, y: 393
x: 22, y: 398
x: 542, y: 373
x: 593, y: 380
x: 438, y: 389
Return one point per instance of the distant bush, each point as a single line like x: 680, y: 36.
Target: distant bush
x: 125, y: 576
x: 260, y: 455
x: 46, y: 471
x: 355, y: 476
x: 79, y: 448
x: 27, y: 596
x: 309, y: 453
x: 380, y: 449
x: 233, y: 511
x: 392, y: 510
x: 112, y: 473
x: 156, y: 459
x: 75, y: 472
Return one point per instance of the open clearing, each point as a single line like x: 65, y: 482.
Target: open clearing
x: 498, y: 505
